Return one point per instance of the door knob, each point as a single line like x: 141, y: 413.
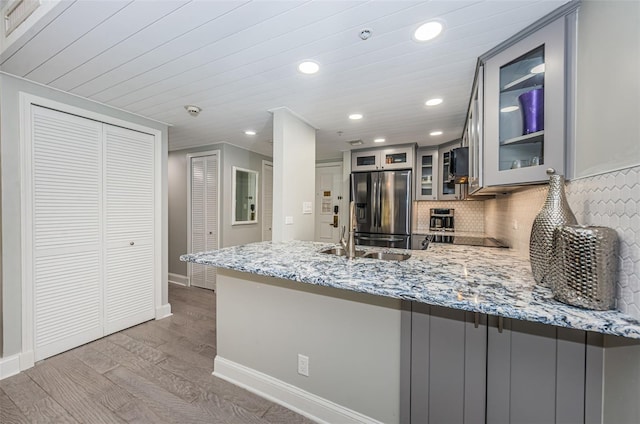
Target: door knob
x: 131, y: 243
x: 210, y: 233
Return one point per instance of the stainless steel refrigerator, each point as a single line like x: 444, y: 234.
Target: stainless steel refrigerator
x: 383, y: 208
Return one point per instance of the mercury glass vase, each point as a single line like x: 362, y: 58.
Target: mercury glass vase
x: 554, y: 213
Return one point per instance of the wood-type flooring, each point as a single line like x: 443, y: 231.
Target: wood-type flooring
x: 156, y: 372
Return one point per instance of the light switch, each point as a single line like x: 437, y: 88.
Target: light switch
x: 307, y: 208
x: 288, y: 220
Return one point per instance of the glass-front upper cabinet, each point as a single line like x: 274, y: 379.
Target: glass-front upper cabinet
x: 379, y: 159
x: 525, y: 108
x: 427, y: 174
x: 474, y: 133
x: 447, y: 187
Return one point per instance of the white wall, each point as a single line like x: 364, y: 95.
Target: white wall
x: 11, y: 218
x: 294, y: 167
x: 608, y: 87
x: 230, y: 235
x: 351, y: 338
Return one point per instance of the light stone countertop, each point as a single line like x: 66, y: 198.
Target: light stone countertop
x: 471, y: 278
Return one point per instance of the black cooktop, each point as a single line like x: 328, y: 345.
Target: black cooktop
x: 466, y: 240
x: 477, y: 241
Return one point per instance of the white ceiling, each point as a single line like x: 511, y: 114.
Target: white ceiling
x: 237, y: 60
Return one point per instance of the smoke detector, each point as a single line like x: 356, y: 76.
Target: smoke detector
x: 193, y: 110
x: 365, y: 34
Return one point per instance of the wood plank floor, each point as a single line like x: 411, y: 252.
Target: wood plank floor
x: 156, y: 372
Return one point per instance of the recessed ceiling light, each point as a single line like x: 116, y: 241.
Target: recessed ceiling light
x: 355, y: 116
x: 308, y: 67
x: 428, y: 31
x: 250, y: 132
x: 435, y: 133
x: 538, y: 69
x: 509, y: 109
x: 379, y: 140
x: 433, y: 102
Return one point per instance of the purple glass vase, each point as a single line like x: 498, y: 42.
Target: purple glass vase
x: 532, y: 107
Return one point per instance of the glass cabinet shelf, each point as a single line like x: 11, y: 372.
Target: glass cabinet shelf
x: 535, y: 137
x: 528, y: 81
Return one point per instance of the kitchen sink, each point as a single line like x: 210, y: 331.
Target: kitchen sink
x: 387, y: 256
x: 339, y: 251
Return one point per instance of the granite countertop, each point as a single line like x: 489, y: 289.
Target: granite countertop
x: 471, y: 278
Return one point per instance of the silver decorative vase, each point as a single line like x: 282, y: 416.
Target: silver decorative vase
x: 554, y: 213
x: 585, y: 266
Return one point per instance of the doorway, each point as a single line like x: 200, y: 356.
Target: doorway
x: 328, y: 202
x: 203, y: 214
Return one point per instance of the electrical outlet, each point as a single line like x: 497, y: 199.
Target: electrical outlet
x: 303, y: 365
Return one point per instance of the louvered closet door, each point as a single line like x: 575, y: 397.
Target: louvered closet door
x: 204, y: 216
x: 66, y: 233
x: 129, y: 199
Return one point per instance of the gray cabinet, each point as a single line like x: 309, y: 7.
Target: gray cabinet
x: 474, y: 133
x: 377, y: 159
x: 524, y: 108
x: 447, y: 188
x: 448, y: 365
x: 535, y: 373
x: 427, y: 174
x: 473, y: 368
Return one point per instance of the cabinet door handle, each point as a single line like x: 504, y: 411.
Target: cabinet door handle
x: 500, y: 324
x: 476, y: 319
x: 131, y: 243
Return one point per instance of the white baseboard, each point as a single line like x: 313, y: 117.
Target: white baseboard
x: 27, y: 360
x: 305, y: 403
x: 163, y: 311
x: 9, y: 366
x: 181, y: 280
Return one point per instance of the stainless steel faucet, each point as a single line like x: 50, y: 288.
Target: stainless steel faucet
x: 350, y: 244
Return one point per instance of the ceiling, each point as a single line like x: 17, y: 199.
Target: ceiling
x: 237, y: 60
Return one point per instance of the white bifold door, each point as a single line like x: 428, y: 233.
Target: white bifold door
x: 91, y: 233
x: 204, y: 216
x: 129, y: 256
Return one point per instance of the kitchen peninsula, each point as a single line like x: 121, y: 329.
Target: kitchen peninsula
x: 491, y: 281
x: 348, y: 319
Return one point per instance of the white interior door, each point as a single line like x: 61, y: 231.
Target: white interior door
x: 267, y: 201
x: 328, y: 197
x: 204, y: 216
x: 66, y: 230
x: 129, y: 202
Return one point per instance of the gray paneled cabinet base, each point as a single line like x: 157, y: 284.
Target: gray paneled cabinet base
x: 472, y: 368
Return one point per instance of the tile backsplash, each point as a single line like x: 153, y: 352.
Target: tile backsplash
x: 468, y: 215
x: 610, y: 200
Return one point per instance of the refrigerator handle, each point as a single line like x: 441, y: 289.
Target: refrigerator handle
x: 374, y: 198
x: 379, y: 202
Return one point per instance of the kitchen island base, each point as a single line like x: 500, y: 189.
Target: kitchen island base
x: 353, y: 342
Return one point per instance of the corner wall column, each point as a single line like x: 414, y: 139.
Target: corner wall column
x: 294, y: 167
